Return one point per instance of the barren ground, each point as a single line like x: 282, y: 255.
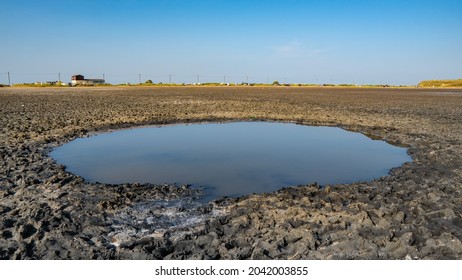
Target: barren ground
x: 47, y: 213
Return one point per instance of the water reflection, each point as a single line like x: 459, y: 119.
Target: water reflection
x: 230, y: 159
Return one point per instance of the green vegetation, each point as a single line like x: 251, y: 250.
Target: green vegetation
x: 347, y: 85
x: 58, y: 85
x: 102, y: 85
x: 150, y: 83
x: 38, y: 85
x: 211, y: 84
x: 441, y: 83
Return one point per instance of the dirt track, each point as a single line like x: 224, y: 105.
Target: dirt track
x: 47, y: 213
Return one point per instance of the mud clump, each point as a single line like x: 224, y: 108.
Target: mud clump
x: 413, y: 213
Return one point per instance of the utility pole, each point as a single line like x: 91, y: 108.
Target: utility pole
x: 247, y: 79
x: 197, y: 78
x: 104, y: 78
x: 59, y: 78
x: 169, y: 79
x: 9, y: 81
x: 224, y: 79
x: 139, y: 78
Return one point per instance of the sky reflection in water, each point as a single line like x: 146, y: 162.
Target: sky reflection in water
x: 230, y: 159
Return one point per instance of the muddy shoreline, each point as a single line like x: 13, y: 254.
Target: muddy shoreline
x: 413, y: 213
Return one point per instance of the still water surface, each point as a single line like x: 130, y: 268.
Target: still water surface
x: 230, y: 159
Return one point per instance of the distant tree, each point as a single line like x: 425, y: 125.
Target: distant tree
x: 148, y: 82
x: 276, y: 83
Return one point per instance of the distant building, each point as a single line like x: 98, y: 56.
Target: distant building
x: 80, y: 80
x: 50, y: 83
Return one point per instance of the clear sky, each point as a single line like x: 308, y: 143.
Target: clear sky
x: 306, y: 41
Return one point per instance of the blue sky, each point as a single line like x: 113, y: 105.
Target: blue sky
x: 310, y: 41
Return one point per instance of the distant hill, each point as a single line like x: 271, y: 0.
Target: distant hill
x: 441, y: 83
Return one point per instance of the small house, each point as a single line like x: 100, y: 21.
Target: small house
x: 80, y: 80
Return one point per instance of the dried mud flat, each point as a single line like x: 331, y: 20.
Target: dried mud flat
x: 413, y: 213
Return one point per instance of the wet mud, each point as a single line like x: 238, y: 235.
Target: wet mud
x: 413, y: 213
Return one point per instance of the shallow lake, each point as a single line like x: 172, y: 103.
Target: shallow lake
x: 230, y: 159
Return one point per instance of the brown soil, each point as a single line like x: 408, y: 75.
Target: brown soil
x: 415, y: 212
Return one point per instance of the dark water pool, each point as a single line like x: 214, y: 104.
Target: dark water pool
x: 230, y: 159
